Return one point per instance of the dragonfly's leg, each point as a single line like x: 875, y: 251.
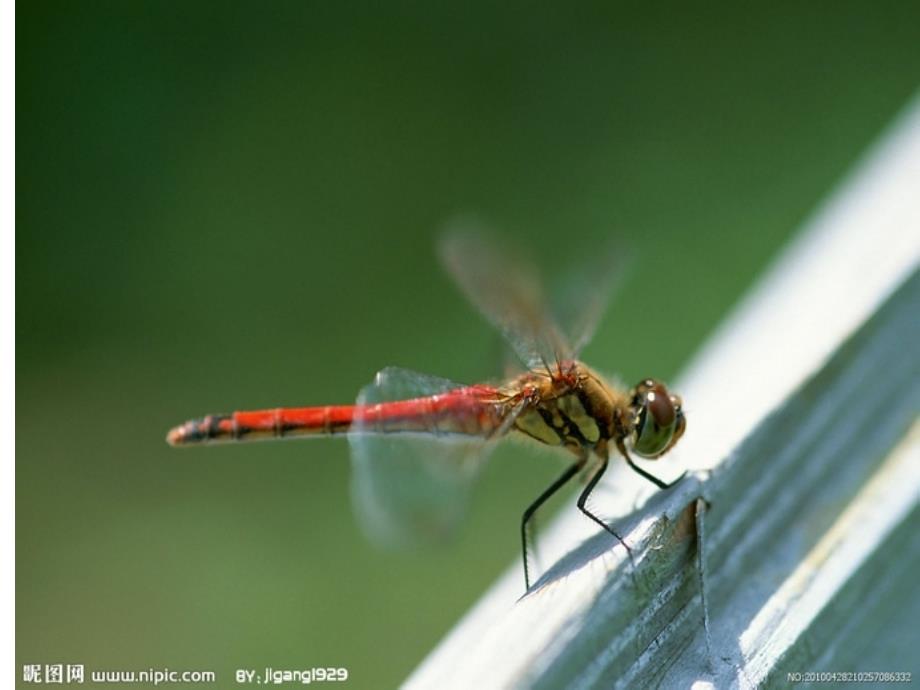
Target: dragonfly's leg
x: 583, y: 501
x: 652, y: 478
x: 541, y: 499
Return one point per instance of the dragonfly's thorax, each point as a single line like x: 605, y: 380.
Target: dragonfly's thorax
x: 573, y: 407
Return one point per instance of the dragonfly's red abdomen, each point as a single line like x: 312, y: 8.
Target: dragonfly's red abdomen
x: 473, y: 410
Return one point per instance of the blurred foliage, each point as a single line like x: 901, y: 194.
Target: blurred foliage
x: 232, y: 205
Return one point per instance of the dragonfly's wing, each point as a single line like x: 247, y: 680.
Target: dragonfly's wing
x: 581, y: 294
x: 411, y: 487
x: 507, y: 290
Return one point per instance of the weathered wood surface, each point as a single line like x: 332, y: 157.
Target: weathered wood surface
x: 803, y: 439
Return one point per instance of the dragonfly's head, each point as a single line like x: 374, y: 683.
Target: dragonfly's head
x: 657, y: 419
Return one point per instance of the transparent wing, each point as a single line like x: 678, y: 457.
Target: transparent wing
x: 413, y: 487
x: 582, y: 293
x: 507, y: 290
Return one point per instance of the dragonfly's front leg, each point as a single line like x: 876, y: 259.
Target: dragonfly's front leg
x: 652, y: 478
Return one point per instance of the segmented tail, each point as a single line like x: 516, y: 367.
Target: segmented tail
x: 472, y: 411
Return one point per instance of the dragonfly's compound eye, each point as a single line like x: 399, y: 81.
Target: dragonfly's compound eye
x: 659, y: 420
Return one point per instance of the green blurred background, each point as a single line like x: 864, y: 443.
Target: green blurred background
x: 233, y: 205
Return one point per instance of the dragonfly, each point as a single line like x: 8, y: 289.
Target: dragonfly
x: 418, y: 441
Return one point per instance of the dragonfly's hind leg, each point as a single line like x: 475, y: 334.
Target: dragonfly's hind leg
x: 570, y: 472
